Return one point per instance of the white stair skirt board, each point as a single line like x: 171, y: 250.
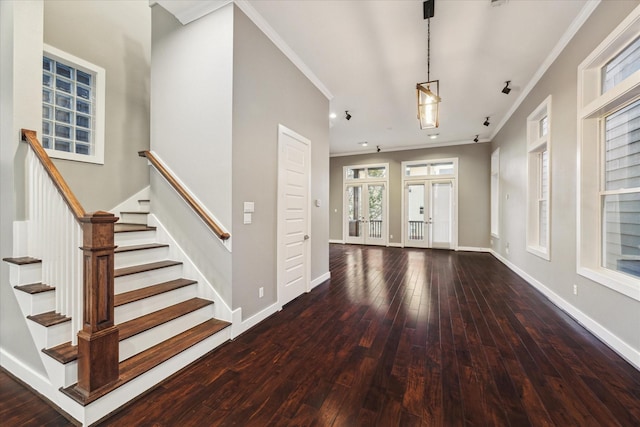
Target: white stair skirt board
x: 131, y: 238
x: 145, y: 256
x: 146, y: 278
x: 135, y: 309
x: 31, y: 304
x: 616, y: 344
x: 147, y: 339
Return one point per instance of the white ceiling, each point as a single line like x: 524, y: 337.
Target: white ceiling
x: 368, y: 56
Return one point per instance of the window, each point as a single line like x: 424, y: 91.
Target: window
x: 366, y: 172
x: 495, y: 192
x: 426, y: 169
x: 609, y: 160
x: 72, y: 107
x: 539, y: 180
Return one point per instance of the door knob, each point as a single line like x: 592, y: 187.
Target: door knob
x: 306, y: 237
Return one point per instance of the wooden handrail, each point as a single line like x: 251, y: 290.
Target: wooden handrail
x: 29, y: 136
x: 223, y: 235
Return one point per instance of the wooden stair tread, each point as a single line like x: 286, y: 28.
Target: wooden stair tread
x: 135, y: 212
x: 131, y: 248
x: 22, y: 260
x: 123, y: 227
x: 49, y: 318
x: 152, y: 357
x: 149, y: 291
x: 151, y: 320
x: 65, y: 353
x: 143, y: 200
x: 34, y: 288
x: 125, y: 271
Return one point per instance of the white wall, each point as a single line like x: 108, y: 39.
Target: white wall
x: 20, y: 86
x: 611, y: 315
x: 191, y: 96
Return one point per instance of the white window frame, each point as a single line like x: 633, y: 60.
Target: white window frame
x: 537, y: 144
x: 99, y: 105
x: 495, y: 193
x: 376, y: 180
x: 593, y: 106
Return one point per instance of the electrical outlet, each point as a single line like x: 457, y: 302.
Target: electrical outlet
x: 575, y: 289
x: 506, y: 248
x: 391, y: 236
x: 261, y: 291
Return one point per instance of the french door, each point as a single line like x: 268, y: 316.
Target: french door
x: 429, y: 214
x: 365, y: 216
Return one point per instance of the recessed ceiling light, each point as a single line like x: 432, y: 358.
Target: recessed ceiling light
x: 363, y: 143
x: 333, y: 115
x: 434, y: 136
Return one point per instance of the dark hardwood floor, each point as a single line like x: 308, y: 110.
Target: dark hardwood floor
x: 398, y: 337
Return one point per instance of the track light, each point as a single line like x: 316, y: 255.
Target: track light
x: 377, y: 148
x: 486, y: 122
x: 506, y: 88
x: 476, y: 138
x: 347, y: 115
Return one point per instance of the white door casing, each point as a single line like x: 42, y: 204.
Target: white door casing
x: 294, y: 183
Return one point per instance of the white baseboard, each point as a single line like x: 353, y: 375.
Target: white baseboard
x: 336, y: 241
x: 238, y: 327
x: 627, y: 352
x: 395, y: 245
x: 320, y: 279
x: 472, y: 249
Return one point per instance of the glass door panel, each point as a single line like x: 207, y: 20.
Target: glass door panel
x: 441, y: 220
x: 415, y: 215
x: 375, y: 216
x: 354, y: 214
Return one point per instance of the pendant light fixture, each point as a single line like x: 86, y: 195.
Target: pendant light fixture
x: 428, y: 92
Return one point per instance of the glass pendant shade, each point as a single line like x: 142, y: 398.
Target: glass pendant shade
x: 428, y: 102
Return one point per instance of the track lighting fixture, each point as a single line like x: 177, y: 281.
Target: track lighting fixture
x: 476, y: 138
x: 377, y: 148
x: 486, y: 122
x: 506, y: 88
x: 347, y: 115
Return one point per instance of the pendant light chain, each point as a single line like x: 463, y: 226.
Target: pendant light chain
x: 428, y: 49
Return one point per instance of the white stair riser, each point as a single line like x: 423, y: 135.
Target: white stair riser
x: 134, y: 237
x: 25, y: 274
x: 142, y: 341
x: 140, y: 280
x: 144, y: 205
x: 50, y: 336
x: 36, y: 303
x: 130, y: 258
x: 134, y: 218
x: 145, y: 306
x: 61, y: 375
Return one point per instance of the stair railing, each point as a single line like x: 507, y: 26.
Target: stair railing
x: 77, y: 253
x: 155, y: 162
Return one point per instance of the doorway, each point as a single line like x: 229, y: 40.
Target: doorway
x: 366, y: 221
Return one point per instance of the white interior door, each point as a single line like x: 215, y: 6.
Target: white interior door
x: 429, y: 214
x: 365, y: 214
x: 294, y: 170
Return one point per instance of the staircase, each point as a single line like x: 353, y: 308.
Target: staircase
x: 164, y: 321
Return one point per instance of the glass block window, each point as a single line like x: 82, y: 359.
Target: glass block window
x: 72, y: 107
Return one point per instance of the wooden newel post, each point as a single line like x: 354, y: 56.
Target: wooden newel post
x: 98, y: 339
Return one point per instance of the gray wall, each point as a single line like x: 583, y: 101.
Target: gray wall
x: 269, y: 90
x: 617, y: 313
x: 115, y: 35
x: 473, y: 189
